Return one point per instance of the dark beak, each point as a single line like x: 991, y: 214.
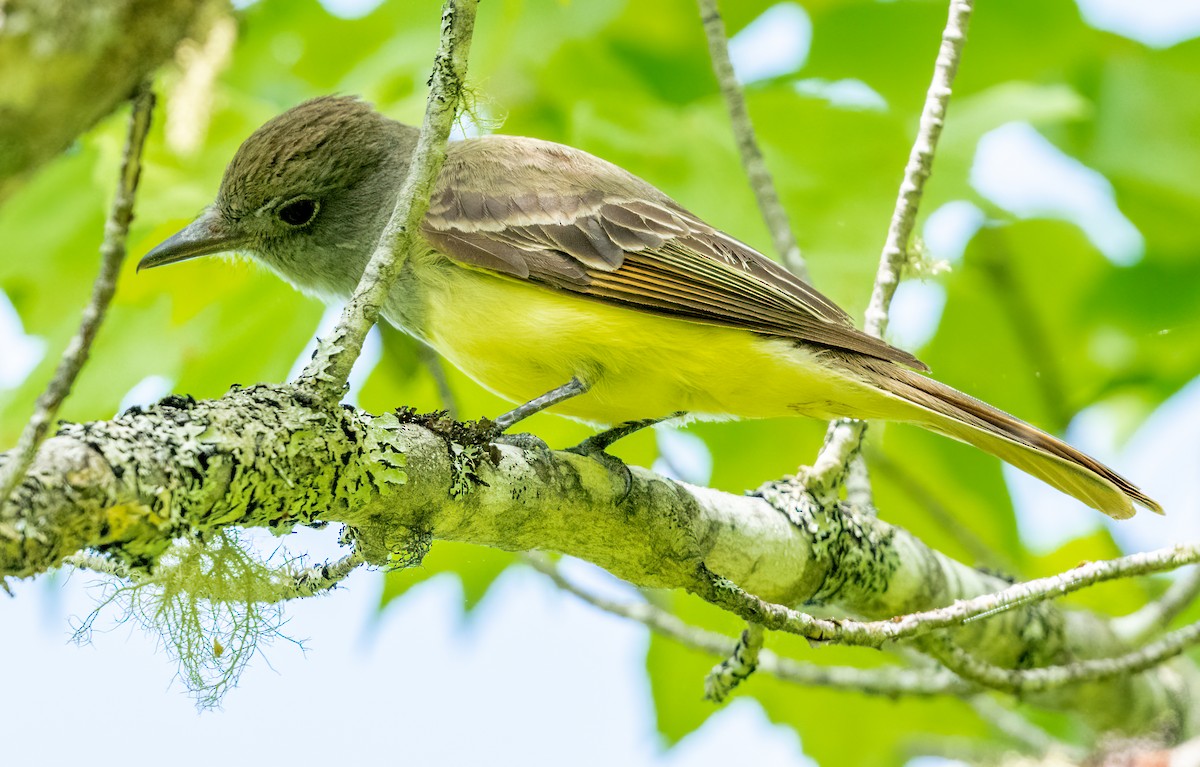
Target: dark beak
x: 203, y: 237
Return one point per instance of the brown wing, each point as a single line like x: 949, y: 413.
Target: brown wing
x: 562, y: 218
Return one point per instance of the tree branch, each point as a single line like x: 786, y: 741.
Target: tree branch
x: 326, y: 374
x: 920, y: 164
x: 760, y: 178
x: 1157, y: 615
x: 112, y: 255
x: 1024, y: 681
x: 844, y: 437
x: 264, y: 457
x: 1076, y: 579
x: 737, y: 666
x: 917, y: 624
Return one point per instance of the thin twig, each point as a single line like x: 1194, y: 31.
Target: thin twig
x: 844, y: 437
x: 112, y: 255
x: 321, y: 578
x: 1022, y: 681
x: 326, y: 375
x: 920, y: 163
x: 98, y: 564
x: 1136, y: 628
x: 743, y: 130
x: 889, y: 681
x: 737, y: 667
x: 874, y: 633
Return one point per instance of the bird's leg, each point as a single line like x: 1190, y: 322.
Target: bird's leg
x: 595, y: 446
x: 572, y: 388
x: 598, y: 443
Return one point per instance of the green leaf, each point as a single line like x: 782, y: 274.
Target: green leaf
x: 1012, y: 332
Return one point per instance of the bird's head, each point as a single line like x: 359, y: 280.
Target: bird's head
x: 307, y: 194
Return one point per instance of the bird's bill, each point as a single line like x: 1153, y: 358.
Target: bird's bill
x: 203, y: 237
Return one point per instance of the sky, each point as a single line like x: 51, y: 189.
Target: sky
x: 534, y: 677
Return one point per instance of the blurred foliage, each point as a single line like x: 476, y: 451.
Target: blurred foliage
x: 1036, y: 319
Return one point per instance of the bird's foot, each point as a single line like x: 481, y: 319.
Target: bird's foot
x: 598, y: 443
x: 525, y: 441
x: 595, y: 449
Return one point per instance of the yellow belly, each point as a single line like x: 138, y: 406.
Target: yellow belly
x: 521, y: 340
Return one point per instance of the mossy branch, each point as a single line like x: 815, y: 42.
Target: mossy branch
x: 263, y: 457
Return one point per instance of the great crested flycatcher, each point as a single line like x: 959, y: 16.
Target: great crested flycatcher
x: 540, y: 268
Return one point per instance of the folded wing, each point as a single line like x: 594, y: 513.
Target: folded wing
x: 569, y: 221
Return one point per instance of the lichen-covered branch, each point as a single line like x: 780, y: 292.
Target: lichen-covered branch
x: 263, y: 457
x: 844, y: 437
x: 326, y: 375
x: 738, y: 666
x: 920, y: 164
x: 1029, y: 680
x: 112, y: 255
x: 761, y: 182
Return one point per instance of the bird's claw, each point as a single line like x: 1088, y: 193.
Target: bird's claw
x: 590, y: 449
x: 524, y: 441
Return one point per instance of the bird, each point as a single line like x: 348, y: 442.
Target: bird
x: 559, y: 280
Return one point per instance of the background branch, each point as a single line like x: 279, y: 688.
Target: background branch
x: 1031, y: 680
x: 112, y: 255
x: 755, y: 166
x: 1157, y: 615
x: 67, y: 65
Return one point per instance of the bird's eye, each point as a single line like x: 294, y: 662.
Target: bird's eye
x: 298, y: 212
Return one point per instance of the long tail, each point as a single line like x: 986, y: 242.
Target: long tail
x: 950, y: 412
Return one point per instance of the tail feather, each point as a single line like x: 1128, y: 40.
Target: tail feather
x: 959, y: 416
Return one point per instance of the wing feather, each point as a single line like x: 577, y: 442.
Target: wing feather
x: 559, y: 217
